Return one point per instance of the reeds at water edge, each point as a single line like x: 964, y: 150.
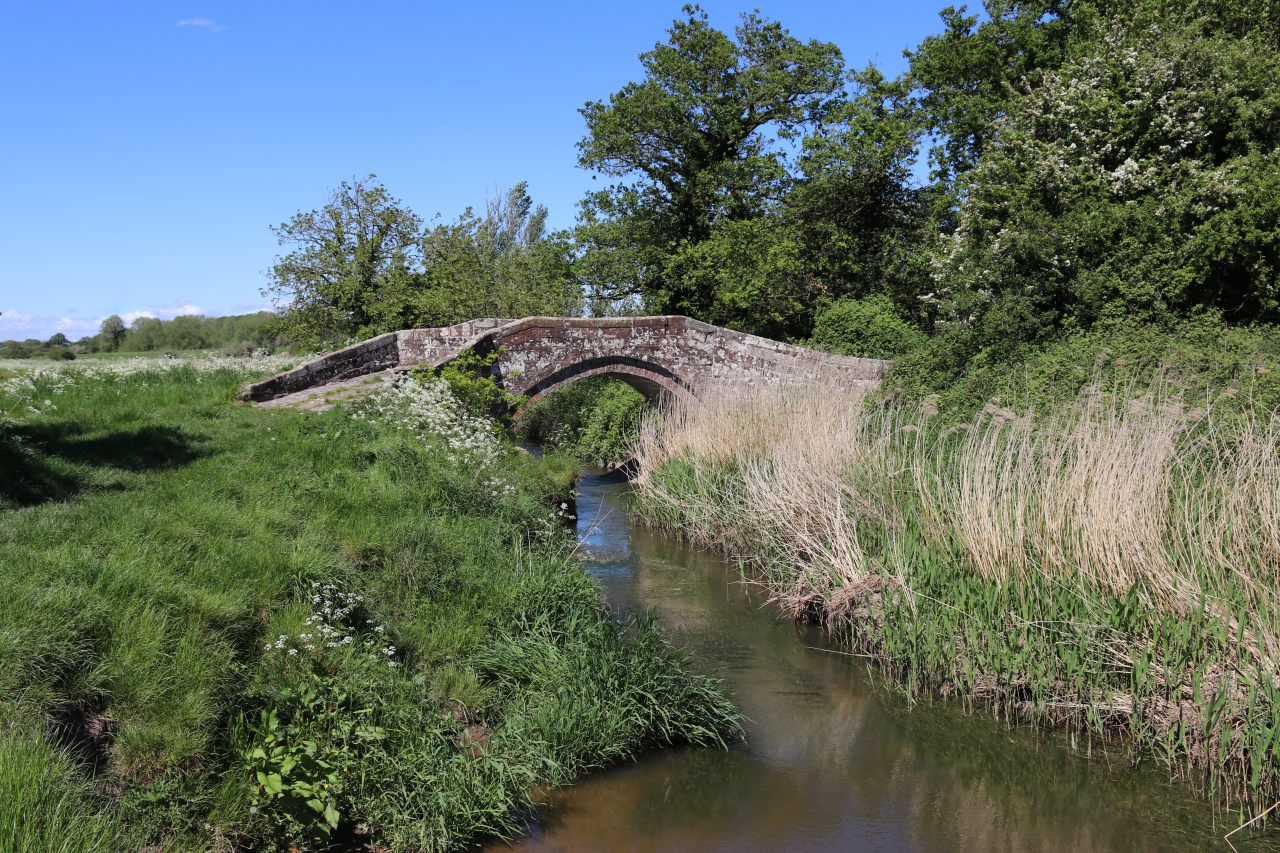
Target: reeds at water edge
x: 1111, y: 564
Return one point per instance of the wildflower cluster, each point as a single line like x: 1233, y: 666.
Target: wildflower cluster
x: 23, y: 395
x: 428, y: 409
x: 333, y: 624
x: 258, y: 362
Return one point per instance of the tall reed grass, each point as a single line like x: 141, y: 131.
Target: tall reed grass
x: 1111, y: 566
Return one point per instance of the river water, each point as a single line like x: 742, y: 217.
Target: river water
x: 832, y: 761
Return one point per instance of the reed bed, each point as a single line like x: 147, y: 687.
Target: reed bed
x: 1111, y: 566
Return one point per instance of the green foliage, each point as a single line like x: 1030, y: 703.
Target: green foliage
x: 869, y: 327
x: 470, y: 377
x: 750, y: 274
x: 183, y: 532
x: 111, y: 333
x: 501, y: 264
x: 967, y: 76
x: 354, y: 261
x: 1138, y: 182
x: 594, y: 419
x: 690, y: 146
x: 300, y: 766
x: 861, y: 227
x: 1202, y: 357
x: 234, y: 335
x: 364, y: 264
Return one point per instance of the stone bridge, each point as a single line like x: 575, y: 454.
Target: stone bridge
x: 659, y: 356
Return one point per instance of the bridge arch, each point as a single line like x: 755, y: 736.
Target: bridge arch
x: 654, y: 381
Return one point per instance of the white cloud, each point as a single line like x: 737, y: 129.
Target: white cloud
x: 78, y: 327
x: 202, y: 23
x: 15, y: 325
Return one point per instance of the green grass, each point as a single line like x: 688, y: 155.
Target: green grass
x: 157, y: 537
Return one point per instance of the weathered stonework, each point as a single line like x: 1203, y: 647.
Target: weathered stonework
x: 536, y: 355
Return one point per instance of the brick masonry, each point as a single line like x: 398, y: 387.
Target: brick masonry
x: 657, y: 355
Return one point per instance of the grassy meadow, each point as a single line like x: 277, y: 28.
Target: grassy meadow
x: 1109, y: 566
x: 227, y: 628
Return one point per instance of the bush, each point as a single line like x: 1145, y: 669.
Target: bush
x: 470, y: 378
x: 868, y: 327
x: 595, y: 419
x: 1199, y: 358
x: 1139, y: 182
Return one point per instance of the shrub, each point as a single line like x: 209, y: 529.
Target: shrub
x: 470, y: 379
x: 868, y: 327
x: 1201, y: 358
x: 595, y: 419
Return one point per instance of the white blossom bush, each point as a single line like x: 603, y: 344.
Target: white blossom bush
x: 1138, y: 182
x: 427, y: 409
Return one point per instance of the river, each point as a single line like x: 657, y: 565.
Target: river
x: 832, y: 761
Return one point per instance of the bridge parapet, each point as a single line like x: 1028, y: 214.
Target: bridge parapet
x: 657, y: 355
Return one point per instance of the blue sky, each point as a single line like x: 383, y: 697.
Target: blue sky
x: 147, y: 146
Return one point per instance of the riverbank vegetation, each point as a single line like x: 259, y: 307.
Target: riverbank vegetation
x: 224, y: 627
x: 595, y: 420
x: 1108, y: 565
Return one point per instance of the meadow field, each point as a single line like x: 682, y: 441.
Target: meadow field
x: 228, y: 628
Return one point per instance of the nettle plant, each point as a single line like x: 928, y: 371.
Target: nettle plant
x: 300, y: 764
x: 303, y: 749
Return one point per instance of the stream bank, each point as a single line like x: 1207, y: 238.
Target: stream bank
x: 833, y: 761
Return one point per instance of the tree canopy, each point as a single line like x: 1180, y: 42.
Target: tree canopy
x: 1041, y: 169
x: 364, y: 264
x: 694, y: 146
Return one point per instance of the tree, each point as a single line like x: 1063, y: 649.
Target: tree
x: 1138, y: 183
x: 860, y: 226
x: 146, y: 334
x: 112, y: 333
x: 967, y: 76
x: 355, y: 265
x: 693, y: 146
x: 57, y: 339
x: 502, y: 264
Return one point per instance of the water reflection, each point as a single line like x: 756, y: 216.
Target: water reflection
x: 830, y: 762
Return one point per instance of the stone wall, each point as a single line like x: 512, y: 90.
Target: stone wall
x: 371, y: 356
x: 676, y: 354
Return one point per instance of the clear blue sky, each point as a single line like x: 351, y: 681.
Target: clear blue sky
x: 147, y: 146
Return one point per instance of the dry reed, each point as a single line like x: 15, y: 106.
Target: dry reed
x: 1128, y: 546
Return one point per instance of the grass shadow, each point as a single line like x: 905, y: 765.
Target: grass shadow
x: 143, y: 449
x: 49, y: 462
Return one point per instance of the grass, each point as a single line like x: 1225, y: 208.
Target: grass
x: 1110, y: 567
x: 164, y: 550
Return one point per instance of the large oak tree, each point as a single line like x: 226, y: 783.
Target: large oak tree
x: 693, y: 145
